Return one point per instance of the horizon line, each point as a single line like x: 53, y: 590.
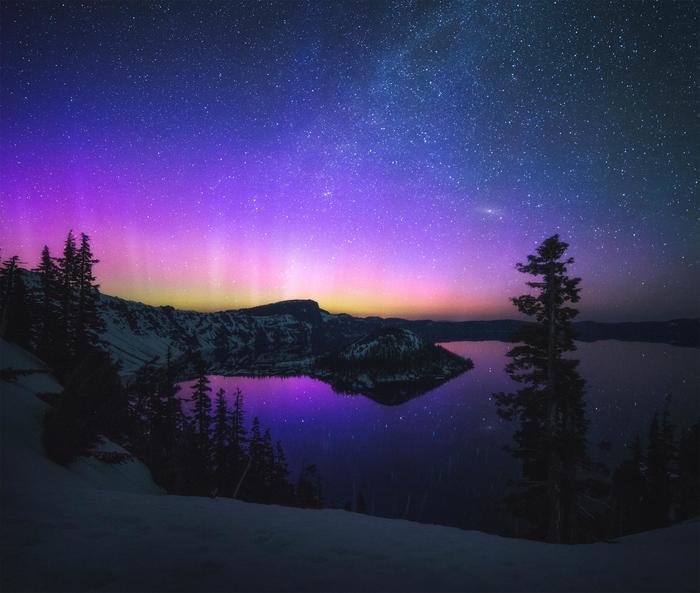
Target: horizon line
x: 366, y: 316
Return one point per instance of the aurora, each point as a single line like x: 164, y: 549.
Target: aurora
x: 394, y: 160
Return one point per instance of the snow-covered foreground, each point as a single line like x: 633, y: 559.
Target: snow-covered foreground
x: 110, y: 528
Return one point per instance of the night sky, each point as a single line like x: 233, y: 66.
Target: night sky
x: 381, y: 158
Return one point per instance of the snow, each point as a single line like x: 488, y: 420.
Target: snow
x: 14, y: 357
x: 93, y: 526
x: 135, y: 333
x: 394, y: 344
x: 23, y: 462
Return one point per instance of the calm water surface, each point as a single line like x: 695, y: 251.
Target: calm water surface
x: 439, y: 457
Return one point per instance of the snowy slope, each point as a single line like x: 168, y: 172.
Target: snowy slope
x: 135, y: 333
x: 391, y: 344
x: 23, y: 463
x: 107, y: 528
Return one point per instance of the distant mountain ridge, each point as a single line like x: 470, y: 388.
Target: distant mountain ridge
x: 277, y: 336
x: 677, y: 332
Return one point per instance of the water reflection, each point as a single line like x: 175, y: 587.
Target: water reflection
x: 439, y: 457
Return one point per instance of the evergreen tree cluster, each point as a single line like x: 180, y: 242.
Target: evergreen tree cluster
x: 56, y: 317
x: 15, y: 310
x: 208, y: 450
x: 660, y: 483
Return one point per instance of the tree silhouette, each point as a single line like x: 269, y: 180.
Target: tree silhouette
x: 220, y: 438
x: 67, y: 275
x: 93, y: 403
x: 8, y: 276
x: 170, y: 406
x: 46, y: 331
x: 550, y: 439
x: 689, y: 473
x: 88, y: 323
x: 238, y: 433
x: 15, y: 314
x: 660, y: 455
x: 201, y: 423
x: 629, y: 493
x: 237, y: 439
x: 308, y: 489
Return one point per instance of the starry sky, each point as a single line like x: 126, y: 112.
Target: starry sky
x: 391, y: 158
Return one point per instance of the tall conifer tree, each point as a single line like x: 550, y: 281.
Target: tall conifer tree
x: 15, y: 311
x: 659, y: 457
x: 221, y: 433
x: 201, y: 412
x: 87, y: 320
x: 550, y: 439
x: 8, y: 275
x: 170, y: 405
x: 67, y: 275
x: 46, y: 331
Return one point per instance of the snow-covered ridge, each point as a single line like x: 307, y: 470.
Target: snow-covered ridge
x: 135, y: 333
x: 390, y: 344
x: 98, y: 527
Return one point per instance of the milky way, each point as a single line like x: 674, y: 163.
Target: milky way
x: 381, y: 158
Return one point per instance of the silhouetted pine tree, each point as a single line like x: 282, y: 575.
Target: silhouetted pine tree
x: 237, y: 440
x: 202, y: 407
x: 282, y: 490
x: 15, y: 315
x: 308, y: 489
x: 171, y: 424
x: 190, y: 478
x: 8, y: 275
x: 220, y: 438
x: 659, y: 458
x: 238, y: 434
x: 255, y: 480
x: 360, y: 504
x: 144, y: 406
x: 87, y: 321
x: 68, y: 283
x: 629, y: 493
x: 171, y: 408
x: 92, y: 403
x: 47, y: 304
x: 201, y: 421
x: 550, y: 439
x: 268, y: 459
x: 689, y: 473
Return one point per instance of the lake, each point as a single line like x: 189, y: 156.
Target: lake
x: 440, y: 457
